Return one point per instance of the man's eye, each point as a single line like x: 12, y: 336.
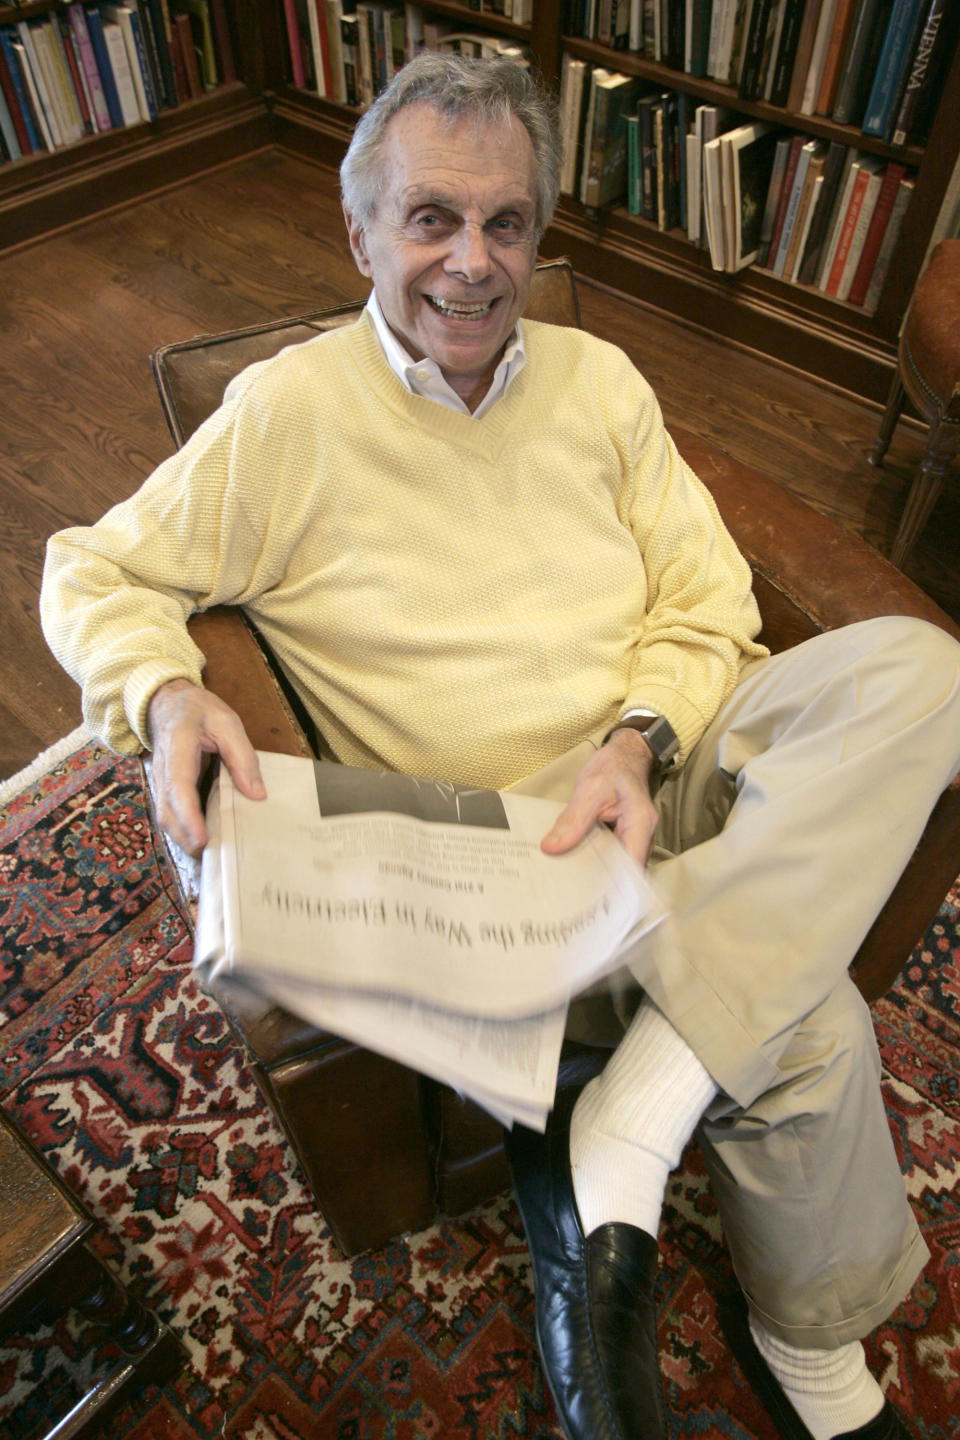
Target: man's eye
x: 511, y: 227
x: 430, y: 220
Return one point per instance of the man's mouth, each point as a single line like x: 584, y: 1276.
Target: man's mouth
x: 460, y: 308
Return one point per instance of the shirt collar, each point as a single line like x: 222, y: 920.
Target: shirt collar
x: 424, y: 378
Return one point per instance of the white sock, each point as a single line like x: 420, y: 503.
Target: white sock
x: 831, y: 1390
x: 631, y: 1123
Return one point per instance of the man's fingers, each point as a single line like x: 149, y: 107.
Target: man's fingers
x: 612, y: 787
x: 569, y: 828
x: 187, y: 725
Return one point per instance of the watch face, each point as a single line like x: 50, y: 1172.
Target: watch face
x: 658, y: 733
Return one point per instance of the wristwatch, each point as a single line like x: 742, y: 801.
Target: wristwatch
x: 658, y: 733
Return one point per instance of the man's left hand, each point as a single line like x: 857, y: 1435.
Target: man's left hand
x: 613, y: 787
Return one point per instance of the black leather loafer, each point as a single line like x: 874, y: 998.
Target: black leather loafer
x: 596, y: 1321
x: 888, y: 1425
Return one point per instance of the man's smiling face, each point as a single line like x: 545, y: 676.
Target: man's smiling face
x: 451, y: 244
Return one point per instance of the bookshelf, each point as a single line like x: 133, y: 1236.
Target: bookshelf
x: 44, y: 191
x: 772, y: 317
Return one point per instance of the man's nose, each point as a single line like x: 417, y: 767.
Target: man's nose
x: 470, y: 253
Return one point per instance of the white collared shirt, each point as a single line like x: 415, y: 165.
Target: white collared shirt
x: 424, y: 377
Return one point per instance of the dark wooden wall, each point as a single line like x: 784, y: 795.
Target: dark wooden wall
x: 80, y: 425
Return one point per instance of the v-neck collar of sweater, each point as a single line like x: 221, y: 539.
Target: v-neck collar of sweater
x: 480, y: 435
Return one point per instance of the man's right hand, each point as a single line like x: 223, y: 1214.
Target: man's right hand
x: 187, y: 723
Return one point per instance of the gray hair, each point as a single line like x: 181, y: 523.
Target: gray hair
x: 494, y: 91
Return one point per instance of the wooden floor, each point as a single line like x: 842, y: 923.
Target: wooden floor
x: 80, y: 425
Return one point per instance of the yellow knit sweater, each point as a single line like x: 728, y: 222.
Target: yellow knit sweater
x: 452, y: 597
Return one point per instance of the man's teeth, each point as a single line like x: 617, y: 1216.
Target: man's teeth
x: 458, y: 307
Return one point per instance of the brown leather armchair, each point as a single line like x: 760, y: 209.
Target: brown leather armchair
x: 383, y: 1149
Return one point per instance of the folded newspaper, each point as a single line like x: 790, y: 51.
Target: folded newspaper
x: 417, y: 918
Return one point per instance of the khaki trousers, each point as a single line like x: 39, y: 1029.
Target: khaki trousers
x: 780, y: 840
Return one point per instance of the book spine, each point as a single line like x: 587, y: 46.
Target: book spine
x: 793, y: 159
x: 98, y: 40
x: 8, y: 108
x: 295, y: 42
x: 151, y: 53
x: 188, y: 50
x: 35, y: 73
x: 313, y: 19
x: 846, y: 232
x: 786, y: 52
x: 349, y: 30
x: 593, y: 156
x: 9, y: 84
x: 888, y: 245
x: 18, y: 86
x: 334, y: 17
x: 817, y: 57
x: 894, y: 57
x: 29, y: 72
x: 58, y: 82
x: 793, y: 205
x: 223, y: 41
x: 793, y: 267
x: 862, y: 225
x: 749, y: 83
x: 772, y: 201
x: 813, y: 247
x: 808, y: 34
x: 160, y: 26
x: 71, y: 52
x: 878, y: 225
x: 845, y: 105
x: 634, y: 206
x: 141, y: 60
x: 921, y: 73
x: 836, y: 46
x: 78, y: 24
x: 120, y: 64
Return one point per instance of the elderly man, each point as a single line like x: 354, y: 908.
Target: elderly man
x: 478, y: 556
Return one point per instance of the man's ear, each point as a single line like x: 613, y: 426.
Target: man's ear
x: 358, y: 244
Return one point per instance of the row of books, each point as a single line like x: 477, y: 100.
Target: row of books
x: 348, y: 52
x: 875, y: 64
x: 813, y: 212
x: 83, y: 69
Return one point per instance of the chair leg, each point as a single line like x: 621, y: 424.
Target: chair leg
x: 889, y: 422
x: 941, y: 445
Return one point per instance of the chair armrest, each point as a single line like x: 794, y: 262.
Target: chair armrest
x: 238, y: 671
x: 828, y: 574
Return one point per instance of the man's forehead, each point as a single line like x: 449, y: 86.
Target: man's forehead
x: 433, y: 158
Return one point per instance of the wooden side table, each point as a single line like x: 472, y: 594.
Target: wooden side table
x: 46, y: 1268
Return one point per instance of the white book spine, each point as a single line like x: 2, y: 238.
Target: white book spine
x: 60, y: 118
x: 888, y: 245
x: 117, y: 50
x: 40, y: 95
x: 316, y: 49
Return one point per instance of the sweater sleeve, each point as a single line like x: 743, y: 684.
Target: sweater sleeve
x: 116, y: 595
x: 701, y: 616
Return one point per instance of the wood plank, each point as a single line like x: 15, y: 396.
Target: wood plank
x: 81, y: 426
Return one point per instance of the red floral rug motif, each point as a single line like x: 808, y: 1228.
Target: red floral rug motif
x: 125, y: 1075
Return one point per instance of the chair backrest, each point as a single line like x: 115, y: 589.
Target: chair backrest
x: 192, y: 375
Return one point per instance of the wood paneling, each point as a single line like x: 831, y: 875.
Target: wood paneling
x: 80, y: 424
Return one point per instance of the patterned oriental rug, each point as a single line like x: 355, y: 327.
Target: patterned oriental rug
x: 124, y: 1074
